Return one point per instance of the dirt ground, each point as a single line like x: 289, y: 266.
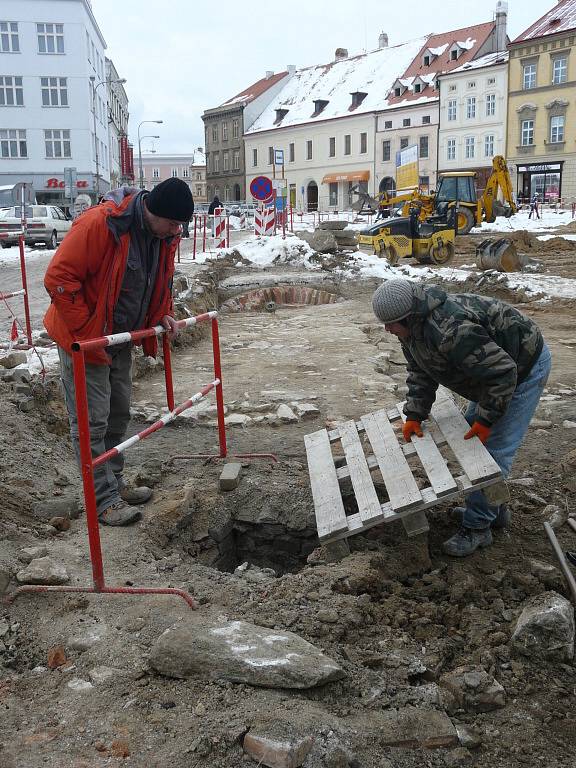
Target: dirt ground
x: 396, y: 614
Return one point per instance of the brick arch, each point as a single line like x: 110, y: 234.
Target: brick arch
x: 280, y: 295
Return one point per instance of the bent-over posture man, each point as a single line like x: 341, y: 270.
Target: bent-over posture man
x: 113, y: 273
x: 482, y: 349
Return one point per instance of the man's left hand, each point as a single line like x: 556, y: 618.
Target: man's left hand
x: 478, y: 430
x: 171, y: 326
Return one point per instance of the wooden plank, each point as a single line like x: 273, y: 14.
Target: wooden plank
x: 330, y: 514
x: 415, y: 523
x: 366, y: 497
x: 433, y: 462
x: 397, y: 475
x: 334, y: 434
x: 473, y: 457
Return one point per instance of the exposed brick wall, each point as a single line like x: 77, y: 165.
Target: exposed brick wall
x: 281, y: 295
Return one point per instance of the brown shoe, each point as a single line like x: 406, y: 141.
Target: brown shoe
x: 119, y: 513
x: 138, y: 494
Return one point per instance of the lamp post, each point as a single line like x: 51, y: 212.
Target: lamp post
x: 95, y: 87
x: 141, y: 178
x: 146, y: 136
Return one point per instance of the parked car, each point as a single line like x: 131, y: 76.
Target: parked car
x: 46, y: 224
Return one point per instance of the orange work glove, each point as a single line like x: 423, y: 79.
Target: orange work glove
x: 410, y: 428
x: 478, y: 430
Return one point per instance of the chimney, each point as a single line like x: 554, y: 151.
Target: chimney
x: 501, y: 17
x: 383, y: 40
x: 291, y: 68
x: 340, y: 54
x: 269, y: 74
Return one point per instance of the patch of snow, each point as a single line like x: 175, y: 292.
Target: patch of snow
x: 549, y: 219
x: 12, y: 255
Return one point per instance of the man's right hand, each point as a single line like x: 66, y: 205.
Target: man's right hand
x: 411, y: 427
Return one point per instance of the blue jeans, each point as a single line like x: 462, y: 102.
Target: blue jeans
x: 507, y: 435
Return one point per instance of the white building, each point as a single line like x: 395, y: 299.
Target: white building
x: 51, y: 71
x: 473, y: 116
x: 117, y: 120
x: 323, y: 120
x: 190, y: 167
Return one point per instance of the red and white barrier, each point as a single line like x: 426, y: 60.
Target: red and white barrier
x: 219, y: 228
x: 264, y: 221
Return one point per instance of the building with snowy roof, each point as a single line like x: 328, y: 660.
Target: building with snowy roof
x: 541, y: 147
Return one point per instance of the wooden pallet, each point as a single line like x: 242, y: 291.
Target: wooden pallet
x: 387, y: 452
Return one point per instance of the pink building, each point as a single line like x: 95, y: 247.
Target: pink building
x: 191, y: 168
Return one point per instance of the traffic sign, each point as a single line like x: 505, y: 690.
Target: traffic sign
x: 28, y: 193
x: 278, y: 157
x: 279, y: 185
x: 261, y: 188
x: 70, y: 178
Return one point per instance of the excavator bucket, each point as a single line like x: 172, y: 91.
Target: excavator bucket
x: 499, y: 254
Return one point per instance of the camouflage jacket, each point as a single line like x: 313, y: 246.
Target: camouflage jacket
x: 479, y: 347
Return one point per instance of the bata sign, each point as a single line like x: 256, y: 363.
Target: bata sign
x: 58, y: 184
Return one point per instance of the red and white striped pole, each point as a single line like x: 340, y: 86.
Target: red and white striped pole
x: 195, y: 232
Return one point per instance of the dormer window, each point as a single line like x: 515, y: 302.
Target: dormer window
x: 399, y: 87
x: 455, y: 52
x: 427, y: 60
x: 357, y: 98
x: 428, y: 56
x: 398, y: 91
x: 280, y: 115
x: 417, y: 87
x: 319, y: 106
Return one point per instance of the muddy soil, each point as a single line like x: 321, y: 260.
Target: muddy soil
x: 396, y: 614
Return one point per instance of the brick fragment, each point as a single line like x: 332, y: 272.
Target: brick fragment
x: 277, y: 753
x: 230, y: 476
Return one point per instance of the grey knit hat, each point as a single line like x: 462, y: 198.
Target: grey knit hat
x: 392, y: 301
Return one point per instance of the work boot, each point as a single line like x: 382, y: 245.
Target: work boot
x: 502, y: 519
x: 134, y: 494
x: 119, y: 513
x: 466, y: 541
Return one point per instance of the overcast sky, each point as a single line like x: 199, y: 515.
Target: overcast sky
x: 180, y: 57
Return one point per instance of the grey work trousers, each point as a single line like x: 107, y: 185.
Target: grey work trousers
x: 109, y: 390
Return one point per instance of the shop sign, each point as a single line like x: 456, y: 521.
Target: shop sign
x: 56, y: 183
x: 539, y: 168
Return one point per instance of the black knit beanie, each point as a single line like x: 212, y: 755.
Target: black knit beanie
x: 171, y: 199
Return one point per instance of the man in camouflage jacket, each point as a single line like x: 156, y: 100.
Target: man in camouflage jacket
x: 482, y: 349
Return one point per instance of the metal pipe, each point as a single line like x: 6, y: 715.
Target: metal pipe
x: 168, y: 372
x: 565, y: 568
x: 31, y: 588
x: 10, y: 295
x: 219, y: 390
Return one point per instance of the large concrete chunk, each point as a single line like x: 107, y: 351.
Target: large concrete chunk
x: 242, y: 653
x: 320, y: 240
x: 545, y: 628
x: 43, y: 570
x: 473, y: 689
x: 273, y: 752
x: 411, y: 727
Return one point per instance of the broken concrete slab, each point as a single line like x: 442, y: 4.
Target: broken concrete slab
x: 306, y: 410
x: 242, y: 653
x: 412, y: 727
x: 286, y: 414
x: 321, y: 240
x: 545, y: 628
x: 230, y: 476
x: 13, y: 359
x: 43, y: 570
x: 277, y: 752
x: 32, y: 553
x: 472, y: 689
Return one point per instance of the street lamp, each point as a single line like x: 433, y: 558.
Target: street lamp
x: 140, y: 172
x: 146, y: 136
x: 120, y: 81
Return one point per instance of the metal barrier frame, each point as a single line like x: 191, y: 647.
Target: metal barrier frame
x: 24, y: 294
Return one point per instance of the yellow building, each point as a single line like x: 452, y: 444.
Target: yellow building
x: 541, y: 141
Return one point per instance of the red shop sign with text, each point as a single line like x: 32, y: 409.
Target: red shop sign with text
x: 58, y: 184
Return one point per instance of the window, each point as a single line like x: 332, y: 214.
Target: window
x: 57, y: 143
x: 236, y: 160
x: 225, y: 160
x: 452, y: 109
x: 9, y: 42
x: 559, y: 70
x: 397, y: 91
x: 185, y: 173
x: 425, y: 119
x: 471, y: 107
x: 452, y: 88
x: 491, y: 81
x: 54, y: 91
x: 174, y: 173
x: 469, y: 147
x: 224, y: 131
x: 199, y: 189
x: 270, y: 155
x: 406, y: 122
x: 471, y: 84
x: 347, y: 144
x: 215, y: 132
x: 291, y: 153
x: 385, y: 150
x: 529, y: 76
x: 451, y: 149
x: 417, y: 87
x: 235, y: 129
x: 50, y: 38
x: 254, y: 157
x: 216, y: 162
x: 13, y: 143
x: 333, y: 193
x: 155, y: 173
x: 423, y: 146
x: 309, y: 150
x: 427, y: 60
x: 363, y: 143
x: 11, y: 91
x: 226, y: 193
x: 332, y: 147
x: 454, y: 54
x: 388, y: 124
x: 490, y: 104
x: 527, y: 133
x: 489, y: 145
x: 404, y: 142
x: 557, y: 129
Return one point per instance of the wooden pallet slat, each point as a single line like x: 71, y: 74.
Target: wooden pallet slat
x: 330, y: 513
x: 402, y: 488
x: 366, y: 496
x: 432, y: 460
x: 471, y: 454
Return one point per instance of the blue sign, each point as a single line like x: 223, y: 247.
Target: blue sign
x: 279, y: 203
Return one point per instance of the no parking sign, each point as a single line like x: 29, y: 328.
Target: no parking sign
x: 261, y: 188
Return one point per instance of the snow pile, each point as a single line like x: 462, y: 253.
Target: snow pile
x: 12, y: 255
x: 549, y: 219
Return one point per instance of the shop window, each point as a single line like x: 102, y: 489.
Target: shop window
x: 333, y: 194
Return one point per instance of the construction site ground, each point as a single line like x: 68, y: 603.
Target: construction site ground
x: 397, y: 615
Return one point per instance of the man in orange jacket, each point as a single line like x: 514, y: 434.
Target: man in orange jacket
x: 113, y: 273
